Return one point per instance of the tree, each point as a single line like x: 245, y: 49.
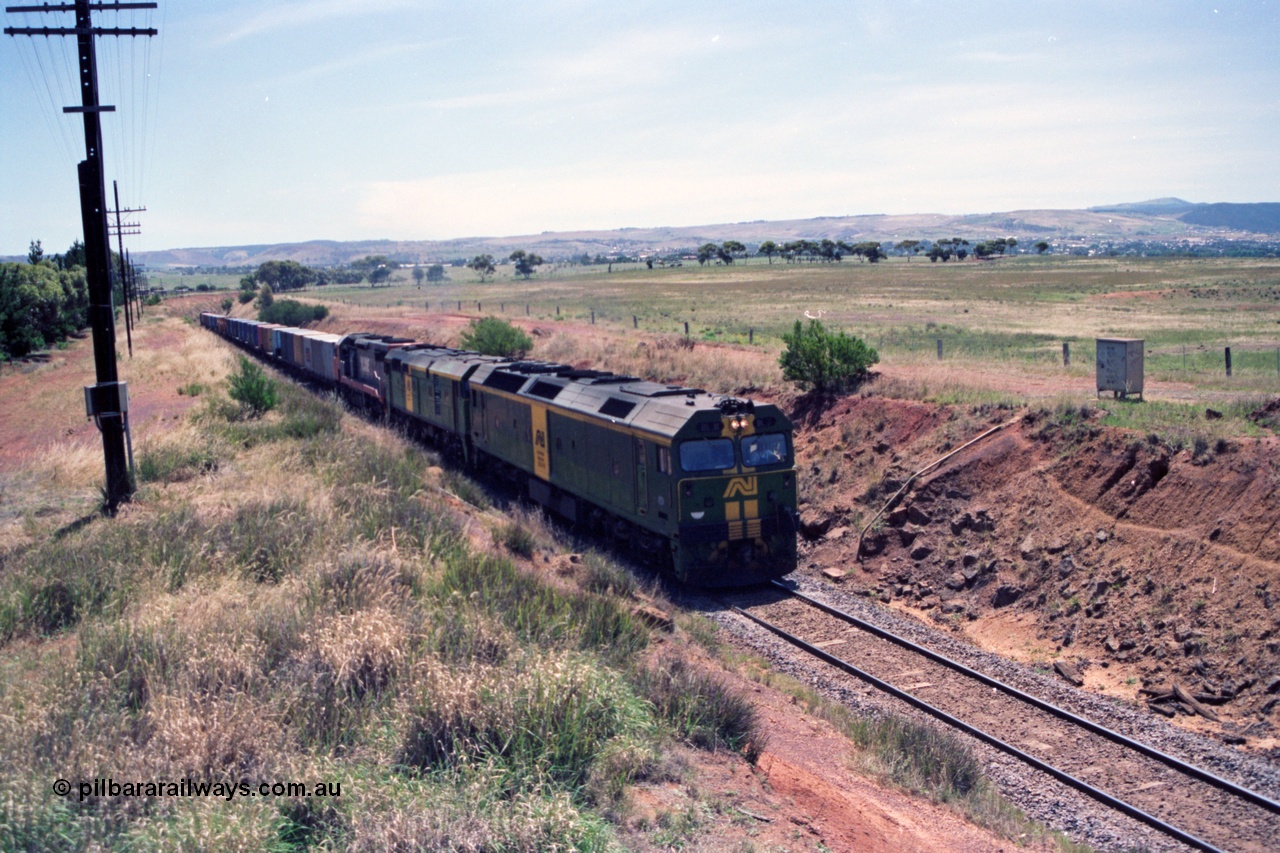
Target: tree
x: 435, y: 273
x: 376, y: 268
x: 733, y: 248
x: 482, y: 265
x: 492, y: 336
x: 73, y: 257
x: 418, y: 275
x: 284, y: 275
x: 291, y: 312
x: 39, y: 305
x: 35, y: 254
x: 1042, y: 247
x: 526, y: 262
x: 226, y: 305
x: 825, y: 361
x: 769, y: 248
x: 908, y: 247
x: 265, y: 297
x: 706, y: 252
x: 253, y: 389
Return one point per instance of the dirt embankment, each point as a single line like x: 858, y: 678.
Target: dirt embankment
x: 1147, y: 567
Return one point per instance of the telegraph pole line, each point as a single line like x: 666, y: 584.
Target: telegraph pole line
x: 108, y: 400
x: 120, y: 229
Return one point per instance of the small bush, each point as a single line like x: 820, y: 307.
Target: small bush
x: 253, y: 389
x: 825, y: 361
x: 492, y: 336
x: 246, y: 296
x: 517, y: 539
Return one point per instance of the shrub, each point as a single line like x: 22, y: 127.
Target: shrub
x: 825, y: 361
x: 492, y: 336
x: 290, y: 312
x: 253, y: 389
x: 226, y: 305
x: 246, y: 296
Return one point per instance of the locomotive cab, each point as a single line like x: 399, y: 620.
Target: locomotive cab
x: 737, y: 495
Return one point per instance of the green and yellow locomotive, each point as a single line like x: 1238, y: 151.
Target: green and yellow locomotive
x: 702, y: 484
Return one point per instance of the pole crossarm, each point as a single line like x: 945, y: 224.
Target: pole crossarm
x: 79, y: 31
x: 70, y: 7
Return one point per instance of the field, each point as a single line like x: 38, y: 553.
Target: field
x: 1014, y: 313
x: 1002, y: 325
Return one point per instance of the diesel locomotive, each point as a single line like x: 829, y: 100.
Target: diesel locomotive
x: 701, y: 484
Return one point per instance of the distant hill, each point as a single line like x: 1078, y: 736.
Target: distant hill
x: 1154, y: 207
x: 1157, y: 220
x: 1260, y: 218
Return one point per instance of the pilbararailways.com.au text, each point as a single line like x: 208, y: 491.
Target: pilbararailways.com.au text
x: 228, y: 791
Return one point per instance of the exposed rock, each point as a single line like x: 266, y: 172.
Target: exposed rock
x: 970, y: 557
x: 1006, y: 594
x: 1101, y: 536
x: 836, y: 575
x: 916, y: 515
x: 1066, y: 566
x: 920, y: 552
x: 1028, y: 549
x: 908, y: 535
x: 1057, y: 546
x: 956, y: 580
x: 1068, y: 671
x: 814, y: 525
x: 897, y: 517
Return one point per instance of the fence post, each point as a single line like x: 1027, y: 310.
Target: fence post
x: 939, y: 349
x: 686, y: 328
x: 1066, y: 354
x: 479, y: 310
x: 526, y: 309
x: 635, y: 321
x: 593, y: 316
x: 1228, y: 351
x: 459, y: 304
x: 751, y: 335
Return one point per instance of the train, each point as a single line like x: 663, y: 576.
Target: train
x: 703, y: 485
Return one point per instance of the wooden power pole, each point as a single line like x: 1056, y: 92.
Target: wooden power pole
x: 108, y: 400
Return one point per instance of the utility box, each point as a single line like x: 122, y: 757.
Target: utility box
x: 1120, y: 366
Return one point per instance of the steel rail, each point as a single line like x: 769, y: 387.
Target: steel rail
x: 1100, y: 730
x: 1061, y: 775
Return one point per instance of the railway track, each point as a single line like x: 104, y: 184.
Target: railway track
x: 1197, y: 807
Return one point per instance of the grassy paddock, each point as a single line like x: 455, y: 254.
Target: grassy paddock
x: 1013, y: 314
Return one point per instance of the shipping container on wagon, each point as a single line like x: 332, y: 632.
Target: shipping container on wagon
x: 1120, y: 366
x: 320, y: 355
x: 265, y: 342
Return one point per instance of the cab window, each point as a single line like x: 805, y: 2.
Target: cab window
x: 767, y: 449
x: 715, y: 454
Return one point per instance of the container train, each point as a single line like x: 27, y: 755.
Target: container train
x: 704, y: 485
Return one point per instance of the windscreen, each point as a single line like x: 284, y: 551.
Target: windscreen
x: 714, y: 454
x: 767, y: 449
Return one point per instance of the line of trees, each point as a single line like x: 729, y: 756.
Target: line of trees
x: 42, y: 301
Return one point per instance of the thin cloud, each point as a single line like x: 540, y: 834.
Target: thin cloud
x: 293, y: 15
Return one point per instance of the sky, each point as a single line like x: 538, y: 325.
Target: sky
x: 264, y: 122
